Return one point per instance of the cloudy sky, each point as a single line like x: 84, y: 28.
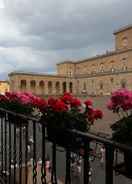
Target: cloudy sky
x: 37, y: 34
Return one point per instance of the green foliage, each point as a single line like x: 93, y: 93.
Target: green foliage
x: 17, y: 107
x: 122, y: 130
x: 66, y: 120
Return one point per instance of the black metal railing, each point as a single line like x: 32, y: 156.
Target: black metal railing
x: 24, y: 149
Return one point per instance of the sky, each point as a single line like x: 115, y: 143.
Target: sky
x: 37, y: 34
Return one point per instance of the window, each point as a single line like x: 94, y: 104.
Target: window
x: 32, y: 84
x: 84, y: 86
x: 112, y: 63
x: 124, y: 41
x: 93, y: 68
x: 124, y: 64
x: 101, y: 67
x: 111, y: 79
x: 64, y: 87
x: 123, y: 83
x: 71, y: 87
x: 101, y: 85
x: 23, y: 84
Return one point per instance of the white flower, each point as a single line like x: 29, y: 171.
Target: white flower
x: 83, y: 108
x: 36, y: 112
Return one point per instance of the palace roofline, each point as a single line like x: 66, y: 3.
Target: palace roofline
x: 107, y: 54
x: 35, y: 74
x: 123, y: 29
x: 66, y: 62
x: 4, y: 81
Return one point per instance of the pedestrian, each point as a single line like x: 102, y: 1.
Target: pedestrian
x: 78, y: 167
x: 90, y: 175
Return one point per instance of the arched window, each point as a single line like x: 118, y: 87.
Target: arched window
x: 112, y: 66
x: 64, y: 87
x: 111, y: 79
x: 101, y: 86
x: 124, y: 64
x: 23, y: 84
x: 84, y: 86
x: 32, y: 84
x: 124, y: 41
x: 93, y: 68
x: 49, y: 87
x: 41, y: 86
x: 57, y: 86
x: 101, y: 67
x: 123, y: 83
x: 71, y: 87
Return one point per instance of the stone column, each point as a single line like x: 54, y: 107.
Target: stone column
x: 74, y: 87
x: 67, y: 86
x: 28, y: 89
x: 37, y: 91
x: 54, y: 88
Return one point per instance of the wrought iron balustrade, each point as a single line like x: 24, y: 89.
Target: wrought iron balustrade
x: 24, y: 148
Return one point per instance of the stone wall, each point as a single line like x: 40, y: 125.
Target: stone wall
x: 41, y: 84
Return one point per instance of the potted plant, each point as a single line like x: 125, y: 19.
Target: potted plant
x: 121, y: 103
x: 66, y: 113
x: 22, y: 103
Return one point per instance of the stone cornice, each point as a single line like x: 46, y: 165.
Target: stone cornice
x: 107, y: 54
x: 4, y: 81
x: 123, y: 29
x: 102, y: 74
x: 34, y: 74
x: 39, y: 75
x: 66, y: 62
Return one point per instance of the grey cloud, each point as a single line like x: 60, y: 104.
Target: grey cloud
x: 46, y: 31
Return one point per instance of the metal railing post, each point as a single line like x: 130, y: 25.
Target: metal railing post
x: 109, y: 158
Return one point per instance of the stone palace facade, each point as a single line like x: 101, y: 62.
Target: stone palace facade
x: 99, y: 75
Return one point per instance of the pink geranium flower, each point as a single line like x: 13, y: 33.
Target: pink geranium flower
x: 121, y: 100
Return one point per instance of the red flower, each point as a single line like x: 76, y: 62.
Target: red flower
x: 51, y: 101
x: 88, y: 103
x: 3, y: 98
x: 94, y: 114
x: 75, y: 102
x: 98, y: 114
x: 91, y: 116
x: 60, y: 106
x: 67, y: 98
x: 39, y: 102
x: 11, y: 96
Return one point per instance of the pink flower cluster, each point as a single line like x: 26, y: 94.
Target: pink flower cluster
x: 120, y: 99
x: 23, y: 98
